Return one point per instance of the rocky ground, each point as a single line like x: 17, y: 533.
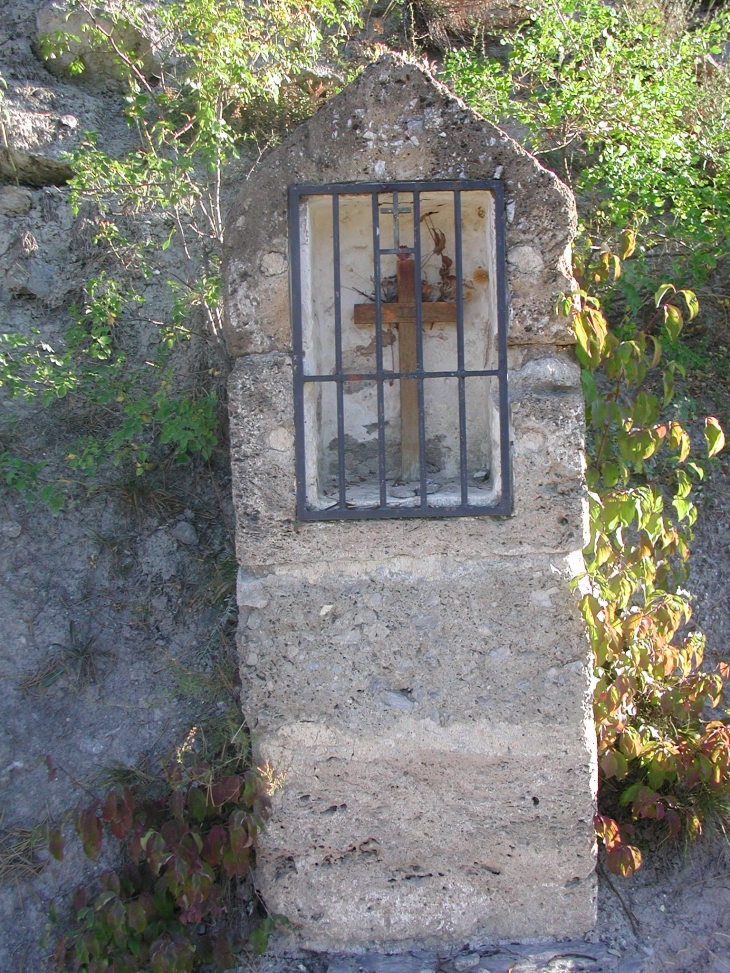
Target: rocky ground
x: 117, y: 613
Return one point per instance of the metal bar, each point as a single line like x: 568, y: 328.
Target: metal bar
x: 379, y: 350
x: 295, y: 297
x: 502, y: 319
x: 400, y: 250
x: 392, y: 376
x: 338, y: 351
x: 458, y: 269
x: 379, y: 513
x: 419, y: 347
x: 368, y: 188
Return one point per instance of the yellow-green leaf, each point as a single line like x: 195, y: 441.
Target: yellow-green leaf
x: 714, y: 435
x: 678, y: 439
x: 693, y: 305
x: 657, y: 351
x: 660, y: 293
x: 673, y: 321
x: 627, y: 244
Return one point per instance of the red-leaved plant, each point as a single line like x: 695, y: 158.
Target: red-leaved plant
x: 162, y: 908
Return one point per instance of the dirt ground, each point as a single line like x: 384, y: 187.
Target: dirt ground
x: 117, y: 614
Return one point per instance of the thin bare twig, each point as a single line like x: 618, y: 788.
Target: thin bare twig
x: 629, y: 914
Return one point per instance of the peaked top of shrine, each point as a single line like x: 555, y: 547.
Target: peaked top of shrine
x: 394, y: 122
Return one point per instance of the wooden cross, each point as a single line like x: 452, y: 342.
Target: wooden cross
x: 402, y: 315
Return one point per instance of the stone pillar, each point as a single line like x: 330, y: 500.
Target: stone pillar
x: 422, y: 685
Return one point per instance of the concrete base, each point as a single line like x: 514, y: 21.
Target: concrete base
x: 437, y: 783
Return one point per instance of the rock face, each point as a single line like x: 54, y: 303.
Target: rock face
x: 45, y: 118
x: 423, y: 686
x: 38, y: 137
x: 32, y: 169
x: 15, y: 201
x: 448, y: 20
x: 58, y: 18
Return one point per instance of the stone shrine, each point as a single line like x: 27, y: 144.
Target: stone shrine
x: 406, y: 436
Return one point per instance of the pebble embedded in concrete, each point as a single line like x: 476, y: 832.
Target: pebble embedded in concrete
x: 525, y: 259
x: 273, y: 264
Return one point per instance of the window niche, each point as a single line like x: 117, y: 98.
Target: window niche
x: 399, y: 318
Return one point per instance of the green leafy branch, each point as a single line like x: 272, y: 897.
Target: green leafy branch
x: 664, y: 758
x: 629, y: 104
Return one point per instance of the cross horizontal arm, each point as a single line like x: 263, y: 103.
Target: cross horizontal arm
x: 432, y: 312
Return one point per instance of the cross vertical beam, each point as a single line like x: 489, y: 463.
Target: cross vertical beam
x: 396, y: 209
x: 408, y: 362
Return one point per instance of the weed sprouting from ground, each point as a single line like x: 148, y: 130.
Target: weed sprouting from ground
x: 188, y: 833
x: 78, y: 662
x: 82, y: 656
x: 136, y: 777
x: 147, y: 496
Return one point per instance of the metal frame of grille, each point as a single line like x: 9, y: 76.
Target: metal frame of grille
x: 344, y: 510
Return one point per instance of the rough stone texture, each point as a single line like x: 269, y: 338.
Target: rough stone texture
x: 566, y: 956
x: 15, y: 201
x: 449, y: 20
x: 418, y: 796
x: 45, y: 118
x: 60, y: 18
x: 422, y: 686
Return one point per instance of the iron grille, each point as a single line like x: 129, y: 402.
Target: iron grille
x: 338, y: 502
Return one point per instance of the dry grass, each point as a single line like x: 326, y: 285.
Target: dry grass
x: 45, y: 674
x: 222, y: 582
x: 17, y: 854
x: 139, y: 778
x: 78, y: 662
x: 120, y: 550
x: 147, y: 496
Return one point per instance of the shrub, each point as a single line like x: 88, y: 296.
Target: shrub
x: 658, y: 752
x: 627, y: 103
x: 230, y: 75
x: 184, y: 843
